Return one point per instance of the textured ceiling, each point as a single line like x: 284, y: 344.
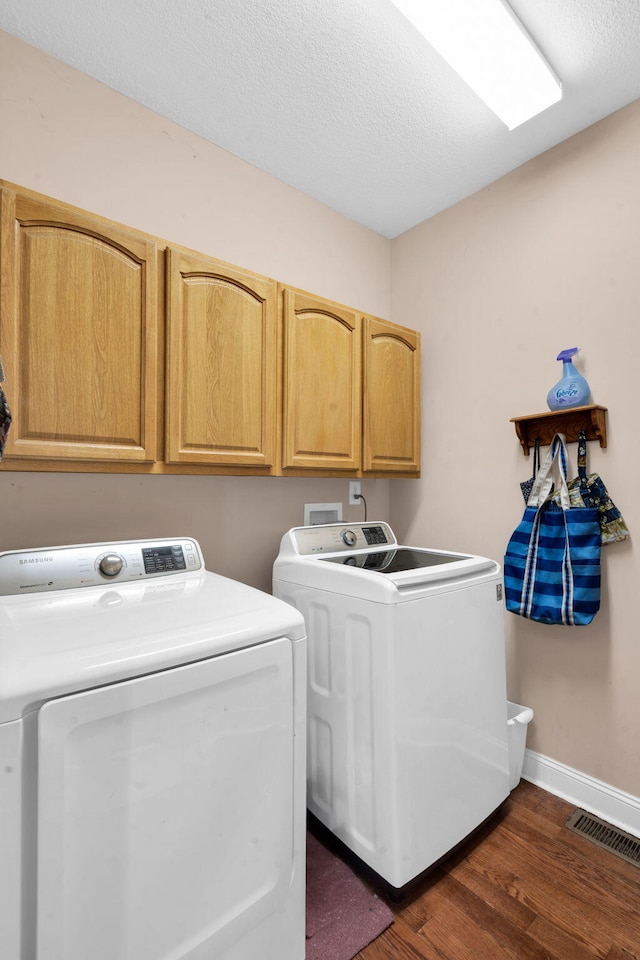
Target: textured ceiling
x: 341, y: 99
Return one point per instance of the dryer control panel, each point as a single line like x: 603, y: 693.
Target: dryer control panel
x: 96, y: 564
x: 340, y: 537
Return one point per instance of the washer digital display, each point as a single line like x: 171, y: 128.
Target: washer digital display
x: 161, y: 559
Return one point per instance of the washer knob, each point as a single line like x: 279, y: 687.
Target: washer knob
x: 349, y: 538
x: 111, y: 565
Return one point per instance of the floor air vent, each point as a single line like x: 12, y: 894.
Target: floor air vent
x: 602, y: 833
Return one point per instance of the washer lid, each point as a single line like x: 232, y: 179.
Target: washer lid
x: 62, y: 641
x: 365, y: 561
x: 397, y: 560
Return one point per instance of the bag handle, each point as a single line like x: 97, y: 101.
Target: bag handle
x: 536, y: 457
x: 541, y: 489
x: 582, y: 456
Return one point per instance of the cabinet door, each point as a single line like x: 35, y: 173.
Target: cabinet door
x: 391, y: 410
x: 78, y: 333
x: 221, y: 364
x: 321, y: 385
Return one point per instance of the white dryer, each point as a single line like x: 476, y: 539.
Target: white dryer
x: 407, y: 706
x: 152, y: 719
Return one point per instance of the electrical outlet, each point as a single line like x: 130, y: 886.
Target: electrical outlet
x: 355, y: 489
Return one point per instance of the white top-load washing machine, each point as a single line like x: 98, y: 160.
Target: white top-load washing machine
x: 407, y: 706
x: 152, y: 719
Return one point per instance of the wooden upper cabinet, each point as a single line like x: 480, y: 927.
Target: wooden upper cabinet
x: 321, y: 384
x: 78, y: 333
x: 391, y: 400
x: 221, y: 364
x: 258, y: 378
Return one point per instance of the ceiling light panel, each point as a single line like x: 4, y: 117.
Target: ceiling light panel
x: 489, y: 48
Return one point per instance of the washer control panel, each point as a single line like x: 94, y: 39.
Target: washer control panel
x: 338, y: 537
x: 94, y: 564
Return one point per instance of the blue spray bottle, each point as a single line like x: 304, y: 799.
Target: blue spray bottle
x: 572, y: 390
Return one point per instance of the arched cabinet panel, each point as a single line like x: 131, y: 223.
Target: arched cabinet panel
x: 391, y: 399
x: 78, y: 333
x: 321, y: 384
x: 221, y: 364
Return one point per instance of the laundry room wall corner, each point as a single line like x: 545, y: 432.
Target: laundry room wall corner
x: 542, y: 260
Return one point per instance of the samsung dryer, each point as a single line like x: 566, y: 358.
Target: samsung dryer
x: 152, y: 719
x: 407, y: 706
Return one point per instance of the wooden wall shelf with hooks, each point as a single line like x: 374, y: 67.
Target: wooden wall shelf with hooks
x: 543, y: 426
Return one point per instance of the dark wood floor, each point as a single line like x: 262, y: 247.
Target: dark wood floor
x: 526, y: 888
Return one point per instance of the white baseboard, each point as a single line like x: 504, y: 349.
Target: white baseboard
x: 616, y: 807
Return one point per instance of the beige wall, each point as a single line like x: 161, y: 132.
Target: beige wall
x: 544, y: 259
x: 72, y: 138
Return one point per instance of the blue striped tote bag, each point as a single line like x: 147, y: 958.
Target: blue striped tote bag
x: 552, y: 561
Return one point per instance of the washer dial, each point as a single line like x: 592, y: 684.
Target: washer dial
x: 110, y: 565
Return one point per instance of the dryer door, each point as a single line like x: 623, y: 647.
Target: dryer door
x: 165, y: 811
